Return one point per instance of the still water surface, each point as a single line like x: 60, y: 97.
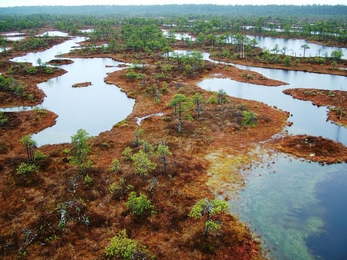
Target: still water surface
x: 294, y: 46
x: 299, y: 208
x: 95, y: 108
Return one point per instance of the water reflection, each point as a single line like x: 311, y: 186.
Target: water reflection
x: 54, y: 33
x: 15, y: 38
x: 95, y: 108
x: 306, y: 118
x: 12, y: 34
x: 179, y: 36
x: 294, y: 46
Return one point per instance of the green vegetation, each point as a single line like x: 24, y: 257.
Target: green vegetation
x: 40, y: 111
x: 140, y: 205
x: 249, y: 118
x: 80, y: 150
x: 181, y: 104
x: 3, y: 119
x: 38, y: 155
x: 88, y: 180
x: 26, y: 168
x: 287, y: 60
x: 127, y: 153
x: 120, y: 188
x: 163, y: 152
x: 206, y: 209
x: 138, y: 133
x: 198, y: 101
x: 337, y: 55
x: 305, y: 47
x: 9, y: 84
x: 126, y: 248
x: 226, y: 11
x: 116, y: 166
x: 142, y: 164
x: 29, y: 144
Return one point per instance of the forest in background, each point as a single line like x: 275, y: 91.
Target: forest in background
x: 323, y: 23
x: 322, y: 11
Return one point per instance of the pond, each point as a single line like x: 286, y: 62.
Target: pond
x: 294, y: 46
x: 179, y: 36
x: 95, y: 108
x: 15, y: 38
x: 296, y: 206
x: 53, y: 33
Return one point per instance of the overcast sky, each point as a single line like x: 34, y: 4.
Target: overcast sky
x: 6, y: 3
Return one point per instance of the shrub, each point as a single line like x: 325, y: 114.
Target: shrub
x: 32, y: 70
x: 249, y: 118
x: 164, y: 88
x: 20, y: 91
x: 142, y: 164
x: 213, y: 99
x: 127, y: 153
x: 80, y: 150
x: 250, y: 76
x: 31, y: 98
x: 29, y: 144
x: 25, y: 168
x: 319, y: 60
x: 40, y: 111
x: 287, y: 61
x: 147, y: 147
x: 120, y: 188
x: 38, y: 155
x: 116, y: 166
x: 206, y: 209
x: 88, y: 180
x: 139, y: 205
x: 137, y: 134
x: 49, y: 70
x: 131, y: 75
x: 4, y: 83
x: 126, y: 248
x: 334, y: 64
x: 337, y: 55
x: 3, y: 119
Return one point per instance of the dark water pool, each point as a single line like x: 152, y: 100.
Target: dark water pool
x: 299, y: 208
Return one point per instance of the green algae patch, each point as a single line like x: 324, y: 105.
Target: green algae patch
x: 280, y: 203
x: 226, y: 169
x: 274, y: 194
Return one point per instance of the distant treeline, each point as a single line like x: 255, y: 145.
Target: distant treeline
x: 322, y: 11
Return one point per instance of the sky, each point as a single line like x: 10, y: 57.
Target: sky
x: 9, y: 3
